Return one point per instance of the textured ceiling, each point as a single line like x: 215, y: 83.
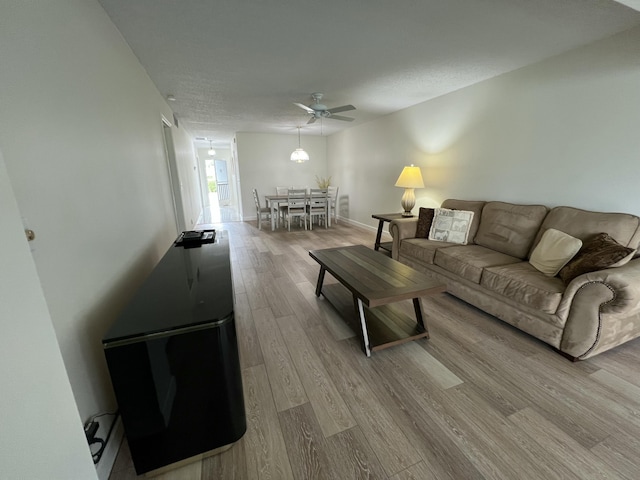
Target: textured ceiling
x: 239, y: 65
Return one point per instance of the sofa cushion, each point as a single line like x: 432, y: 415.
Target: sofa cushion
x: 425, y: 217
x: 598, y: 252
x: 510, y: 228
x: 474, y: 206
x: 421, y: 249
x: 451, y: 225
x: 522, y: 283
x: 554, y: 251
x: 468, y: 261
x: 582, y: 224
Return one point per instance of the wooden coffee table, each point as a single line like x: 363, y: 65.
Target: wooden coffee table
x: 369, y: 283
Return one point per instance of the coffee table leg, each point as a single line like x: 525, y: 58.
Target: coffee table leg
x: 320, y: 280
x: 417, y: 306
x: 363, y: 326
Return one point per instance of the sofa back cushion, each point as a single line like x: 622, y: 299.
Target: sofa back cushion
x: 510, y: 228
x: 583, y: 224
x: 474, y: 206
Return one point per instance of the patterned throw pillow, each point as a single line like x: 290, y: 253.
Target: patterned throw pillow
x: 425, y: 218
x: 451, y: 225
x: 597, y: 253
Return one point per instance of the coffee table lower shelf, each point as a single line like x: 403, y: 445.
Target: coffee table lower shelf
x: 386, y: 325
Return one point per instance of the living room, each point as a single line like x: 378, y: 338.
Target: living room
x: 82, y: 163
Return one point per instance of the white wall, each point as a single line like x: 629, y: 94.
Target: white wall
x: 42, y: 435
x: 81, y: 133
x: 561, y: 132
x: 264, y: 163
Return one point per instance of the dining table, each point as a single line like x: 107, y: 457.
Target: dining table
x: 274, y: 202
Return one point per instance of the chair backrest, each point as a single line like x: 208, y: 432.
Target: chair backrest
x: 296, y: 199
x: 282, y: 190
x: 256, y: 198
x: 333, y: 194
x: 318, y: 198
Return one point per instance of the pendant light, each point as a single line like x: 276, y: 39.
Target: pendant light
x: 299, y: 155
x: 211, y: 151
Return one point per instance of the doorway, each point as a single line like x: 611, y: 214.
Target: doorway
x: 221, y: 204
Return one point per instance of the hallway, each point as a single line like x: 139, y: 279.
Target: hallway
x: 217, y: 213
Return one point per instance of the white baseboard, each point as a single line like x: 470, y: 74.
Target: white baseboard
x: 385, y: 234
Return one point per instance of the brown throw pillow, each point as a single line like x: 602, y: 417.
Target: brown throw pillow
x: 598, y: 252
x: 425, y: 217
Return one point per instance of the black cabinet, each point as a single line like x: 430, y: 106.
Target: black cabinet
x: 173, y: 359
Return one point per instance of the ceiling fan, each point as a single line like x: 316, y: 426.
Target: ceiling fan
x: 318, y: 110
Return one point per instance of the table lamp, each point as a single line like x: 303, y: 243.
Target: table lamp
x: 409, y: 179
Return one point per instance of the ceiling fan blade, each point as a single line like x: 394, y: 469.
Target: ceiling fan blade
x: 343, y: 108
x: 340, y: 117
x: 311, y: 120
x: 304, y: 107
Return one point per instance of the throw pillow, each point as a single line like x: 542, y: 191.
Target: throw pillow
x: 598, y: 252
x: 451, y: 225
x: 553, y: 251
x: 425, y: 218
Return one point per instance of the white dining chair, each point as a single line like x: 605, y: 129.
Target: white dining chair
x: 317, y: 206
x: 282, y: 208
x: 260, y: 211
x: 333, y: 202
x: 296, y: 207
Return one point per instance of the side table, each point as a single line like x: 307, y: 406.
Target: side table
x: 384, y: 217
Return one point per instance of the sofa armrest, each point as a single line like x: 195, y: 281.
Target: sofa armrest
x: 602, y: 309
x: 399, y: 230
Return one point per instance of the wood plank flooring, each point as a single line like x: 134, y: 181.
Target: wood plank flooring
x: 478, y: 400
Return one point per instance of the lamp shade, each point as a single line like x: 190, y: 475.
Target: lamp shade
x: 299, y: 155
x: 411, y: 177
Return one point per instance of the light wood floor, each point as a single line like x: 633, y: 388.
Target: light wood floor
x: 479, y: 400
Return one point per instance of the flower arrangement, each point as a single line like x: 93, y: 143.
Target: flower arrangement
x: 323, y: 182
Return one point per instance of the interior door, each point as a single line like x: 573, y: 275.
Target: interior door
x: 222, y: 181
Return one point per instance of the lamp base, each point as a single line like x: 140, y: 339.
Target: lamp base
x: 408, y: 201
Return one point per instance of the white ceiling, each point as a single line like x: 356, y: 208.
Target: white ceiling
x: 239, y: 65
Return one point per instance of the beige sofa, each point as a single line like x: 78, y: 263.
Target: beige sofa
x: 595, y: 312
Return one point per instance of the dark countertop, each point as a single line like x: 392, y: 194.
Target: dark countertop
x: 188, y: 287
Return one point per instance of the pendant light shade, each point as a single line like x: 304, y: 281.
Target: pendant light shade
x: 299, y: 155
x: 211, y: 151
